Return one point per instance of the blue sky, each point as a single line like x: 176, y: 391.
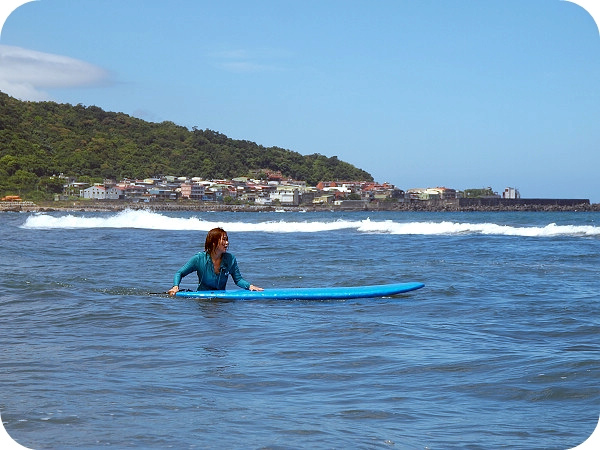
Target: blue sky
x: 420, y: 93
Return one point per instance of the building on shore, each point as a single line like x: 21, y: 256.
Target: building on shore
x: 286, y: 196
x: 98, y: 192
x: 192, y: 190
x: 510, y: 192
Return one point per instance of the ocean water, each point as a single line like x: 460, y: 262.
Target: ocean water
x: 499, y: 350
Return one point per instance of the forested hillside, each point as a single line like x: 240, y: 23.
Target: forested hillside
x: 42, y: 139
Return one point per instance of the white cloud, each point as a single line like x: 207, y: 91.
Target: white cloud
x: 245, y: 67
x: 242, y: 61
x: 25, y: 74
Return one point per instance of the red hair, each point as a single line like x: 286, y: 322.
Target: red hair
x: 212, y: 239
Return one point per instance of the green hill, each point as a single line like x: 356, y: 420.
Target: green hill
x: 42, y: 139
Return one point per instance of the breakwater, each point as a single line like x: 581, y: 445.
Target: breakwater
x: 461, y: 204
x: 506, y: 204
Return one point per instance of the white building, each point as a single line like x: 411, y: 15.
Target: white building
x: 286, y: 195
x: 101, y: 193
x: 511, y: 193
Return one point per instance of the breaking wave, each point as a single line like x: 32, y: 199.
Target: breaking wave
x: 143, y: 219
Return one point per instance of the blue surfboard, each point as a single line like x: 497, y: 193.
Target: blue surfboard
x: 331, y: 293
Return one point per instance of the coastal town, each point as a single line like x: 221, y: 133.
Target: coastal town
x: 272, y: 190
x: 266, y: 188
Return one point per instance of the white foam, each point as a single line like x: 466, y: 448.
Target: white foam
x: 143, y: 219
x: 425, y: 228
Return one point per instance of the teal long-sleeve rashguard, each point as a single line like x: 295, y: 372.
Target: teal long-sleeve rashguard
x: 208, y: 280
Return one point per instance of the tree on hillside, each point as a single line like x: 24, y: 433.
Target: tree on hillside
x: 41, y: 139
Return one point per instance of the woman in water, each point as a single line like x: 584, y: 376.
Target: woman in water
x: 213, y: 266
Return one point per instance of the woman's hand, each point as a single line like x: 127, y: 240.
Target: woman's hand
x: 173, y: 291
x: 255, y: 288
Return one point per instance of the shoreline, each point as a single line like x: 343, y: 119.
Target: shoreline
x: 425, y: 206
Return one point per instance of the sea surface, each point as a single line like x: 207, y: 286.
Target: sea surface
x: 500, y: 349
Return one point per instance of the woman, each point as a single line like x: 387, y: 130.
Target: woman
x: 213, y: 266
